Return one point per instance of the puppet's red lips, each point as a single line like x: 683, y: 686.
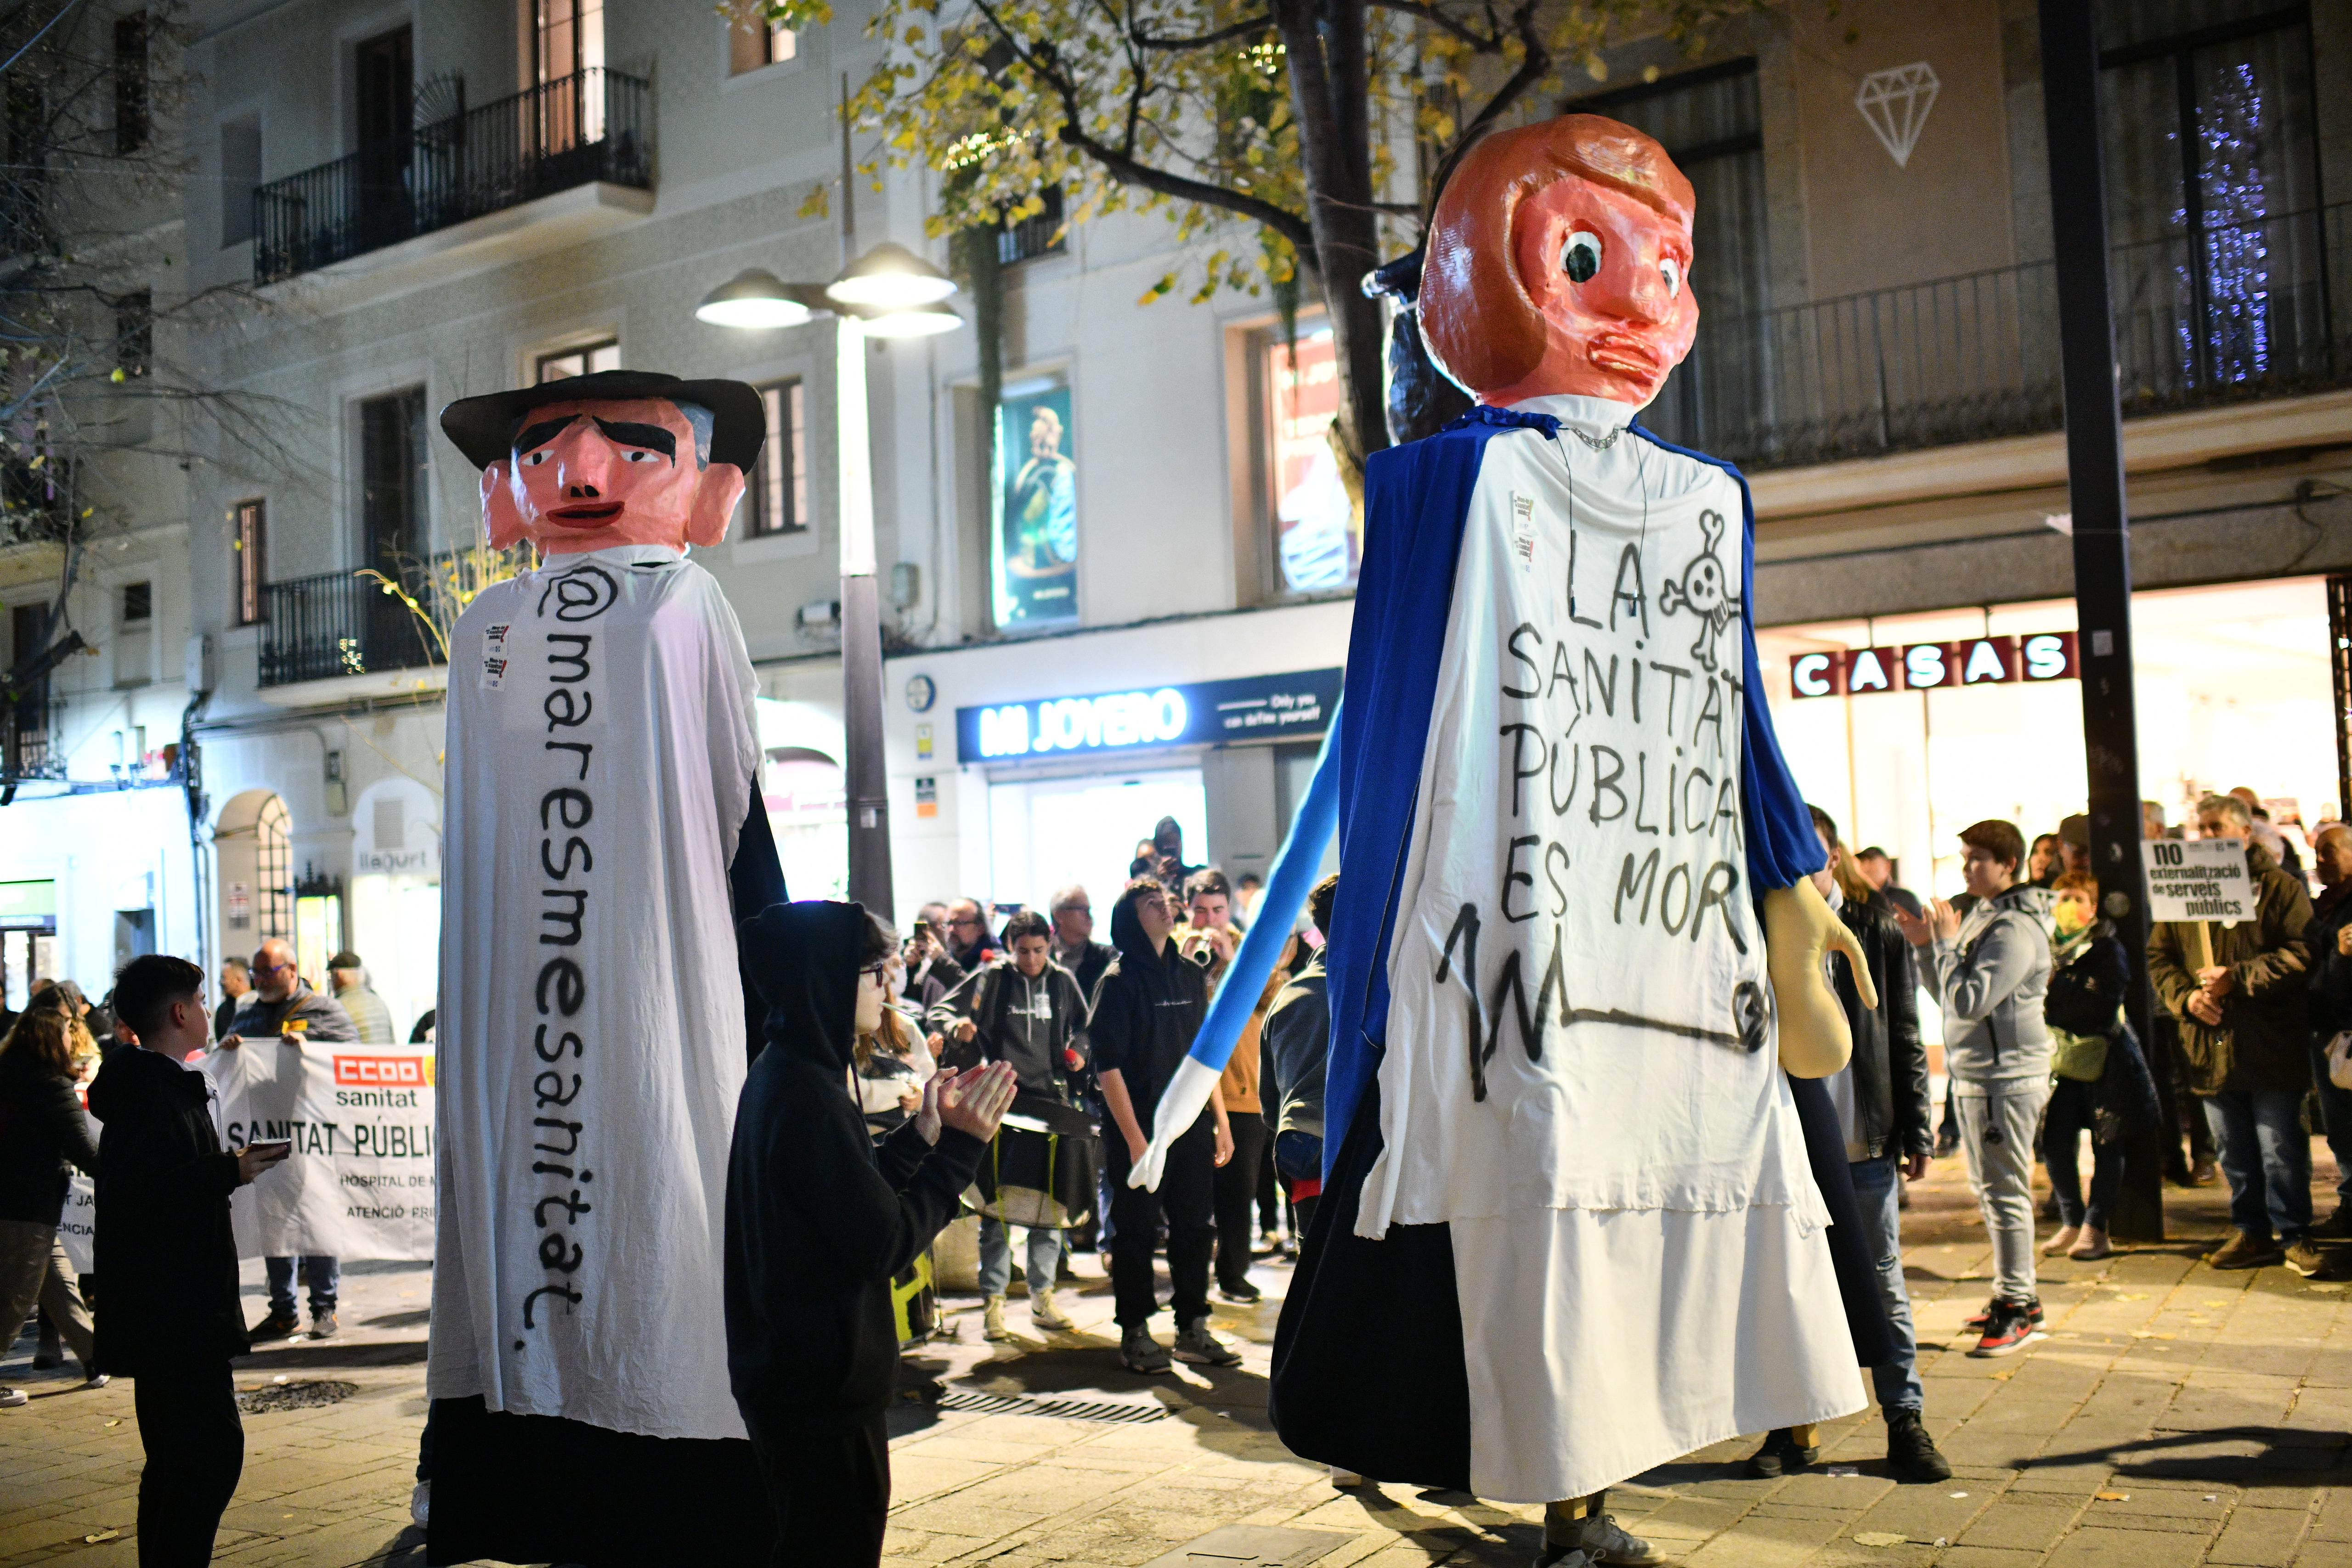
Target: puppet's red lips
x: 586, y: 517
x: 1628, y: 354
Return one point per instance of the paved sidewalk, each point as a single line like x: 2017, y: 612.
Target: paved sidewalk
x: 2173, y: 1416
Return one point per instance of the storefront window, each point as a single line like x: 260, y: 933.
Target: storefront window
x: 1035, y: 548
x: 1316, y: 544
x: 2233, y: 687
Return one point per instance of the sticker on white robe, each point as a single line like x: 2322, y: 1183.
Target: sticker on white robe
x: 493, y: 656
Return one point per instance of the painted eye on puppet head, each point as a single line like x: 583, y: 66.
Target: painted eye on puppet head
x: 533, y: 459
x: 1581, y: 257
x: 1672, y: 271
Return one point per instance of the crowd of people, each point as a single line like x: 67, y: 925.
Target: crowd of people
x: 161, y: 1303
x: 1017, y: 1068
x: 1094, y: 1030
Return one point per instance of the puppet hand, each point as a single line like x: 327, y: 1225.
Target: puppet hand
x: 974, y: 1103
x: 1799, y: 932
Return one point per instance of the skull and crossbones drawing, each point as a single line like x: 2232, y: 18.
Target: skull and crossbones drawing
x: 1705, y: 590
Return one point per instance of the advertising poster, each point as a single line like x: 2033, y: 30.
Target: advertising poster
x: 1036, y: 544
x: 1315, y: 524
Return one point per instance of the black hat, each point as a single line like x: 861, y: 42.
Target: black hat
x: 483, y: 428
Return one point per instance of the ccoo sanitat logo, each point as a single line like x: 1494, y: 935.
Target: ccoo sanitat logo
x: 383, y: 1071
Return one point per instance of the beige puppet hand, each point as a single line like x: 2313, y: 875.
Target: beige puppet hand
x: 1800, y: 932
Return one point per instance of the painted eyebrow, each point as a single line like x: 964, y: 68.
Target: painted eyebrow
x: 650, y: 436
x: 536, y: 436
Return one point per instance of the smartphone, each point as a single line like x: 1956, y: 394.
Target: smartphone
x: 276, y: 1151
x: 922, y: 930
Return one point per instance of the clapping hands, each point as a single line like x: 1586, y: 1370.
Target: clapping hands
x: 972, y: 1102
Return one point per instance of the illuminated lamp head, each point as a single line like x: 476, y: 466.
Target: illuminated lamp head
x: 1559, y: 261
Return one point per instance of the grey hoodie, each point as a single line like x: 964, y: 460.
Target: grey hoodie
x: 1991, y: 980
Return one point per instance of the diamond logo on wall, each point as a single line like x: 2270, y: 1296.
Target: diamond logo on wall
x: 1895, y: 104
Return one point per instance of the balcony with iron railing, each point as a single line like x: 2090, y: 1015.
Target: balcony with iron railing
x: 343, y: 624
x: 579, y: 130
x: 2236, y: 313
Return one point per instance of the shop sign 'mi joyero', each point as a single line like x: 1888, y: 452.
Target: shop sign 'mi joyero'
x: 1934, y: 666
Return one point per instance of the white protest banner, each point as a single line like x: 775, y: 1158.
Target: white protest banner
x: 360, y: 1181
x: 77, y: 1226
x: 2197, y: 879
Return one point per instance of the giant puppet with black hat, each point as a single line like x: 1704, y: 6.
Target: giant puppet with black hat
x: 603, y: 834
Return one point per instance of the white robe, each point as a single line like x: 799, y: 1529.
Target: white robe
x: 1638, y: 1244
x: 602, y: 759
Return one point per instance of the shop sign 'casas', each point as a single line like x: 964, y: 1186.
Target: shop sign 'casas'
x: 1934, y: 666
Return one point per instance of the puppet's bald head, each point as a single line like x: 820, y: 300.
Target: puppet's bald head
x: 1558, y: 259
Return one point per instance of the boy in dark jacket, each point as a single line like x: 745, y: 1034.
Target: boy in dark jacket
x: 168, y: 1316
x: 819, y: 1217
x: 1146, y: 1012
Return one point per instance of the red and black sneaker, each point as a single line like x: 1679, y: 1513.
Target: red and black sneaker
x: 2009, y: 1328
x: 1976, y: 1324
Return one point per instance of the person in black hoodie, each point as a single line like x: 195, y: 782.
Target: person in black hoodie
x: 168, y: 1316
x: 819, y: 1217
x: 1146, y: 1011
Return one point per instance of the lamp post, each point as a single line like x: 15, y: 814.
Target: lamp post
x: 889, y: 292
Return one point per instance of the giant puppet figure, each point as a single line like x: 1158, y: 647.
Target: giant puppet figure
x: 1575, y: 947
x: 603, y: 834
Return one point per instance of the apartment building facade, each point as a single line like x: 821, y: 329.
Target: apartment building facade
x: 1125, y: 592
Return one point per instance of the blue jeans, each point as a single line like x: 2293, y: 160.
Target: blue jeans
x: 321, y: 1273
x: 1896, y: 1378
x: 2266, y: 1156
x: 996, y: 1257
x: 2336, y: 1104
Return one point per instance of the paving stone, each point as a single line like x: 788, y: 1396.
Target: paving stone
x: 2032, y: 1526
x: 2259, y: 1537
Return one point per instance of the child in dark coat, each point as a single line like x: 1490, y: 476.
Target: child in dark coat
x: 168, y: 1316
x: 819, y: 1217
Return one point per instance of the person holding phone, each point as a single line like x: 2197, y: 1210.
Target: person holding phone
x: 169, y: 1318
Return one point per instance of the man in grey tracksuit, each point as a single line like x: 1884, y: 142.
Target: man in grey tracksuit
x: 1990, y: 970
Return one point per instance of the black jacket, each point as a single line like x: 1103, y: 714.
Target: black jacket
x: 1085, y: 963
x: 1146, y: 1011
x: 2331, y: 972
x: 43, y: 1134
x: 1005, y: 1005
x: 164, y: 1246
x: 2086, y: 995
x: 1891, y: 1113
x: 819, y: 1217
x: 308, y: 1014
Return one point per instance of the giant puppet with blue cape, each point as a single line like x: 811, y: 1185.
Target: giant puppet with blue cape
x: 1578, y: 1157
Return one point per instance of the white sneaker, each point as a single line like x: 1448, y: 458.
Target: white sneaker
x: 992, y: 1321
x: 420, y: 1504
x: 11, y: 1397
x: 1045, y: 1313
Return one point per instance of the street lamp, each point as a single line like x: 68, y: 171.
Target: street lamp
x: 889, y: 292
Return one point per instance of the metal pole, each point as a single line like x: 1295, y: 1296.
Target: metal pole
x: 2102, y: 536
x: 861, y: 633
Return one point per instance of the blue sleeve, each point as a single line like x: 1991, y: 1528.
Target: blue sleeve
x: 1416, y: 504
